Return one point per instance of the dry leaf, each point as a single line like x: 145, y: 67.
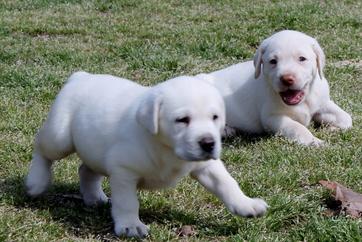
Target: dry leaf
x: 186, y: 230
x: 351, y: 202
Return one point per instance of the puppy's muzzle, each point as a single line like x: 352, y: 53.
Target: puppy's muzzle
x: 207, y: 144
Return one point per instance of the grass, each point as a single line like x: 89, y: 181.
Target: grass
x: 42, y: 42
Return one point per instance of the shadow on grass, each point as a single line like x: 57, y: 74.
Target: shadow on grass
x: 242, y: 139
x: 63, y: 203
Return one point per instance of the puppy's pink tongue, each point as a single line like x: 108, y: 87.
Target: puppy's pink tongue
x: 292, y: 97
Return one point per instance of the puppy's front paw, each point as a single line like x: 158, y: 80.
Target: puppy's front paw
x: 311, y: 141
x: 249, y: 207
x: 131, y: 229
x: 340, y: 126
x: 317, y: 142
x: 345, y: 122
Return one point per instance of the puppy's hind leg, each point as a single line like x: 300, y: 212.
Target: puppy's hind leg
x: 47, y: 149
x: 53, y: 142
x: 39, y: 177
x: 91, y: 186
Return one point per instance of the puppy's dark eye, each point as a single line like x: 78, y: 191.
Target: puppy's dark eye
x: 273, y: 61
x: 302, y: 58
x: 215, y: 117
x: 185, y: 120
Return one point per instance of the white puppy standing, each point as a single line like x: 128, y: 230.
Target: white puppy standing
x: 282, y: 91
x: 141, y: 138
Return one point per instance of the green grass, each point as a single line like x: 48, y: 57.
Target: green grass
x: 43, y: 42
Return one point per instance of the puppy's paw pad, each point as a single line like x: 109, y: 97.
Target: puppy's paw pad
x: 135, y: 229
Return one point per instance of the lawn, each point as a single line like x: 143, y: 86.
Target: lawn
x: 42, y: 42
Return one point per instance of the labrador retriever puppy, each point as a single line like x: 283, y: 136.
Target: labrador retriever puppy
x: 281, y: 91
x: 141, y: 137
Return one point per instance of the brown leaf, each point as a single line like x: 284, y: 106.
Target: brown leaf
x: 186, y: 230
x: 328, y: 184
x: 351, y: 202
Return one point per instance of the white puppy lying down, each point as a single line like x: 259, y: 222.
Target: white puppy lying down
x: 282, y: 92
x: 141, y: 138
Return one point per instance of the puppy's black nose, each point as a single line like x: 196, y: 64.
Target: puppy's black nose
x: 207, y: 144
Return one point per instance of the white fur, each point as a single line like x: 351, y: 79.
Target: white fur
x: 134, y: 135
x: 251, y: 90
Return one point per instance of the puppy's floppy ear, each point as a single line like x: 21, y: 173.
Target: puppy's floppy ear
x: 148, y: 111
x: 321, y: 59
x: 258, y: 58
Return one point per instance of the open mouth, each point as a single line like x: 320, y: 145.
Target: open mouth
x: 292, y: 97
